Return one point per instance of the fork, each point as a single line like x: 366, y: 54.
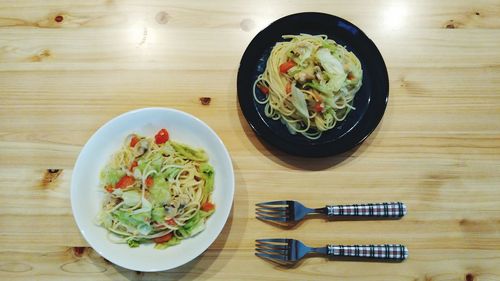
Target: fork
x: 293, y: 211
x: 289, y: 251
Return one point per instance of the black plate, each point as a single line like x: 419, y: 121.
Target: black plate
x: 370, y: 101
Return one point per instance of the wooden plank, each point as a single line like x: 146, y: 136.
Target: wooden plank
x: 149, y: 48
x: 83, y: 263
x: 443, y: 203
x: 250, y: 16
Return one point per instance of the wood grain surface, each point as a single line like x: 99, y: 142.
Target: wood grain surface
x: 66, y: 67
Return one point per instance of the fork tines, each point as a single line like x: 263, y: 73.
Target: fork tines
x: 274, y: 249
x: 273, y: 211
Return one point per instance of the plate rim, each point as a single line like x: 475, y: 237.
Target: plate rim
x: 265, y: 133
x: 226, y: 214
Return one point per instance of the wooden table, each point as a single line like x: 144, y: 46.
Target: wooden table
x: 66, y: 67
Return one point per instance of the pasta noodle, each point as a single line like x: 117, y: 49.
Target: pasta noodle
x: 309, y: 84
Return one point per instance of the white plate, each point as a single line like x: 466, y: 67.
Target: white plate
x: 87, y: 196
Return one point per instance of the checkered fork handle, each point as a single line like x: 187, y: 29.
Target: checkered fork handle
x: 393, y: 252
x: 389, y: 210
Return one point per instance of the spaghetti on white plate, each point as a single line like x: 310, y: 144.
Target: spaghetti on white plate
x: 309, y: 84
x: 157, y: 191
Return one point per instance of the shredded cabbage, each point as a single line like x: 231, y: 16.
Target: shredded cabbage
x: 329, y: 62
x: 299, y: 100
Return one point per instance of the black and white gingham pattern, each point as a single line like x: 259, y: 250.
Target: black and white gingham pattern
x: 392, y: 209
x: 389, y: 251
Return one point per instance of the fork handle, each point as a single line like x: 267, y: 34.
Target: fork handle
x: 393, y: 252
x: 389, y: 210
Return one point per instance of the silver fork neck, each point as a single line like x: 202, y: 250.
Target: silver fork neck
x: 319, y: 210
x: 320, y: 250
